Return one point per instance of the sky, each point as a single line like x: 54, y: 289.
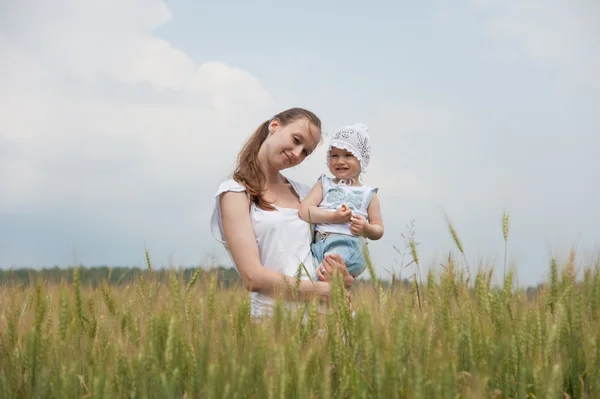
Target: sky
x: 118, y: 120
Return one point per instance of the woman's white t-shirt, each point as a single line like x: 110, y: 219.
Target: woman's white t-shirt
x: 283, y: 239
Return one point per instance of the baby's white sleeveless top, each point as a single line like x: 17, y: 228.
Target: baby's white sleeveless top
x: 357, y: 198
x: 283, y: 239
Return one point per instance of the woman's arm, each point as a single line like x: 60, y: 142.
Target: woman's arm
x: 310, y: 212
x: 240, y: 238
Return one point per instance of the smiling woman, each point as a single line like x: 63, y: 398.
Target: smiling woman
x: 266, y: 153
x: 255, y: 214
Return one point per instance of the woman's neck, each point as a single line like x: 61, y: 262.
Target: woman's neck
x: 272, y: 176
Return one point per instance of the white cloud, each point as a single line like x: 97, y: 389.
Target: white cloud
x: 420, y: 139
x: 119, y: 129
x: 93, y: 37
x: 549, y: 33
x: 73, y: 141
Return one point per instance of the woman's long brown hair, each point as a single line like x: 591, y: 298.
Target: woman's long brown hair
x: 248, y: 171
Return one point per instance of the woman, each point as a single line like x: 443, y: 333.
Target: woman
x: 256, y: 215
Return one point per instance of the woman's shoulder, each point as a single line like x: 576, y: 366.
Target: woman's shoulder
x: 216, y: 223
x: 230, y: 184
x: 301, y: 188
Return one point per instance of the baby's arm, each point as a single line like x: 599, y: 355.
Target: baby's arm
x: 311, y: 205
x: 375, y: 226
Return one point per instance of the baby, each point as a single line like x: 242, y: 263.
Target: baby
x: 345, y: 211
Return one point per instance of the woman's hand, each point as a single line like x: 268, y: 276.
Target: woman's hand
x: 333, y: 263
x: 323, y: 291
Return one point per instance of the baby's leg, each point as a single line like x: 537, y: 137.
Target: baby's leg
x: 344, y: 246
x: 357, y: 263
x: 317, y: 251
x: 331, y: 244
x: 341, y: 245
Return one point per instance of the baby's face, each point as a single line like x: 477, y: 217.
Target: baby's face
x: 343, y: 164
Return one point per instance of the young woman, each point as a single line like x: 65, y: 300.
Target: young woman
x: 255, y: 215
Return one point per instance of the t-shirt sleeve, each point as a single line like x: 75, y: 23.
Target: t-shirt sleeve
x: 324, y: 181
x: 216, y: 224
x: 372, y: 191
x: 301, y: 189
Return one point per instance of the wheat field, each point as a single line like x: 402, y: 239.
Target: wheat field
x: 452, y: 334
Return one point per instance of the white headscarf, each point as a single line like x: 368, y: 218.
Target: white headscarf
x: 354, y: 139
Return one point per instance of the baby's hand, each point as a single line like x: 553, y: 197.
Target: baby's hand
x: 342, y: 214
x: 359, y: 226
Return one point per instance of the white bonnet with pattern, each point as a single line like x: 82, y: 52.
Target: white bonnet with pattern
x: 355, y: 139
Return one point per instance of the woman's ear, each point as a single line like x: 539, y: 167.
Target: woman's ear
x: 273, y: 125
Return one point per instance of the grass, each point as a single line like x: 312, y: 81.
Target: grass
x: 453, y: 335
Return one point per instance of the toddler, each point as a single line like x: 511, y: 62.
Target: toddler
x: 346, y: 212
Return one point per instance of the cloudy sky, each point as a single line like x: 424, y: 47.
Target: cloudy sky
x: 118, y: 119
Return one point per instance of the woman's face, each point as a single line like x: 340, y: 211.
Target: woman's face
x: 289, y: 145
